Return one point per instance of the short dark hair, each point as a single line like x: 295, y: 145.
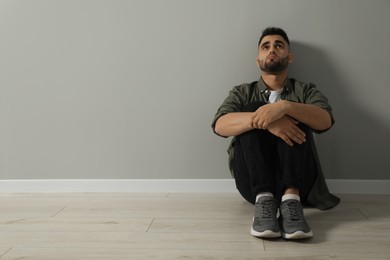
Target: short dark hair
x: 274, y: 31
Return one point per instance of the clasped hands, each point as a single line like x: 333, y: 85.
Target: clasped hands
x: 273, y: 118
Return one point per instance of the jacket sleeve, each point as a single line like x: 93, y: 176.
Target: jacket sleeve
x: 313, y: 96
x: 233, y: 103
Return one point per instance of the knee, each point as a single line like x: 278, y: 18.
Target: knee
x: 308, y: 136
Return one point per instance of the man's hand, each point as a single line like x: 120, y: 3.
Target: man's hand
x: 267, y: 114
x: 286, y: 128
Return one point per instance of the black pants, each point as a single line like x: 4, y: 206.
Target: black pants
x: 265, y: 163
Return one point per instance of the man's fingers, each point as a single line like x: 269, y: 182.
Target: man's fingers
x: 287, y: 140
x: 258, y: 123
x: 299, y: 133
x: 298, y: 140
x: 297, y: 136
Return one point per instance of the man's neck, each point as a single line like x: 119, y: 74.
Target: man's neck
x: 274, y: 82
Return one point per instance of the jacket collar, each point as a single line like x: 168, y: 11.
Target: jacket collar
x: 288, y: 86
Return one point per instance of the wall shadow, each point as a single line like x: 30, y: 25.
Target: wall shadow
x: 356, y: 147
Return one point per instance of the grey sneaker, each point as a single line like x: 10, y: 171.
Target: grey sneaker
x: 265, y: 223
x: 292, y: 220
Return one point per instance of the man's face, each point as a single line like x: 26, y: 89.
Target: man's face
x: 274, y: 55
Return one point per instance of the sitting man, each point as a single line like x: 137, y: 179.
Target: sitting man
x: 273, y: 158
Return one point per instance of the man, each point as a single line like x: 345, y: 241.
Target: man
x: 272, y: 155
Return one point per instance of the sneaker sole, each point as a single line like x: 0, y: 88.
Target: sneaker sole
x: 265, y: 234
x: 298, y: 235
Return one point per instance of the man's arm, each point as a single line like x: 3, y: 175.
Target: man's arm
x: 310, y: 115
x: 233, y: 124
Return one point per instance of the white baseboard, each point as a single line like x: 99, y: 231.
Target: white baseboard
x: 170, y: 185
x: 118, y: 185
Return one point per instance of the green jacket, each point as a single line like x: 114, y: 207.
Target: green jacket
x: 295, y: 91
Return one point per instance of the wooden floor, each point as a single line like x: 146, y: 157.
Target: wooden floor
x: 110, y: 226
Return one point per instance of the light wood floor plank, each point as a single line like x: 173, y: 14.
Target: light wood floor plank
x: 201, y: 225
x: 180, y: 226
x: 209, y: 241
x: 75, y: 224
x: 142, y: 254
x: 336, y: 244
x: 158, y: 208
x: 25, y: 210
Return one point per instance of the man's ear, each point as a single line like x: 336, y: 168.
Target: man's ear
x: 290, y: 58
x: 258, y: 63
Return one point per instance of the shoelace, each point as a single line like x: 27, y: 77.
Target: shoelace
x: 266, y: 210
x: 294, y: 212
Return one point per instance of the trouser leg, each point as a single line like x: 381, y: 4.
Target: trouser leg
x: 265, y: 163
x: 296, y: 165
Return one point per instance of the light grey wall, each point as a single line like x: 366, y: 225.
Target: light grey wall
x: 128, y: 89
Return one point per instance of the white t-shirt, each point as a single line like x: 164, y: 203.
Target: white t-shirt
x: 275, y: 95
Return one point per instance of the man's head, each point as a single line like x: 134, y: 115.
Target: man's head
x: 274, y: 31
x: 274, y: 51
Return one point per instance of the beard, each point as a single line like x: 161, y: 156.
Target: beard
x: 274, y: 66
